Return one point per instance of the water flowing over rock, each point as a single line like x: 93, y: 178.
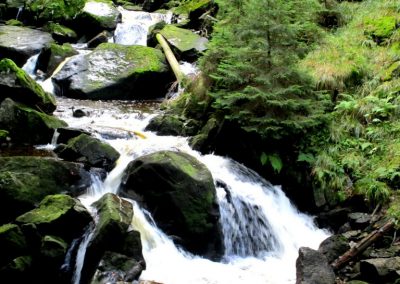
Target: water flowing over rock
x: 19, y: 48
x: 97, y: 16
x: 114, y: 218
x: 181, y: 193
x: 16, y: 84
x: 25, y: 181
x: 114, y: 71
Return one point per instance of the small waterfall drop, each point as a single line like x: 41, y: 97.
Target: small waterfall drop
x: 30, y: 66
x: 262, y: 229
x: 134, y: 26
x: 19, y: 12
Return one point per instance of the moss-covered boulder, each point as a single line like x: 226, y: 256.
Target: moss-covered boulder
x: 12, y: 243
x: 59, y: 215
x: 181, y: 193
x: 90, y: 151
x: 185, y: 43
x: 114, y: 218
x: 58, y: 11
x: 51, y: 58
x: 170, y: 124
x: 19, y: 86
x: 19, y: 48
x: 25, y: 181
x: 19, y: 269
x: 189, y: 12
x: 114, y: 71
x: 98, y: 15
x: 60, y: 33
x: 380, y: 28
x: 26, y: 125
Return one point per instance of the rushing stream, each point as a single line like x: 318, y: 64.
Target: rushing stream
x: 262, y: 229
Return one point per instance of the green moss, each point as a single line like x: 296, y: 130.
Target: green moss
x: 55, y: 10
x: 192, y: 5
x: 37, y: 96
x: 60, y: 30
x: 106, y: 21
x: 184, y: 40
x: 3, y: 134
x: 20, y: 264
x: 392, y: 72
x: 48, y: 120
x: 380, y: 28
x: 12, y: 240
x: 53, y: 247
x: 145, y: 59
x: 14, y: 22
x: 50, y: 208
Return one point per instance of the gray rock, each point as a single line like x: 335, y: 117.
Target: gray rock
x: 312, y: 268
x: 333, y: 247
x: 380, y: 270
x: 114, y: 71
x: 99, y: 15
x: 20, y: 43
x: 181, y: 193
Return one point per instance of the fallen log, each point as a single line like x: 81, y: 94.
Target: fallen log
x: 170, y: 58
x: 362, y: 245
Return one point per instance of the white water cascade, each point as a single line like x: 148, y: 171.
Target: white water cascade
x: 134, y: 26
x: 262, y: 229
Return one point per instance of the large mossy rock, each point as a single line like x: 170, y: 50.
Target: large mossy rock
x: 58, y: 11
x: 12, y: 243
x: 60, y: 33
x: 19, y: 48
x: 114, y: 71
x: 312, y: 268
x: 189, y: 12
x: 186, y: 44
x: 19, y: 86
x: 51, y: 58
x: 26, y: 125
x: 114, y: 218
x: 59, y: 215
x: 98, y: 15
x: 25, y: 181
x: 90, y: 151
x: 180, y: 192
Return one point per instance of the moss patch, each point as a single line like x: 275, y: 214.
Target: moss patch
x: 380, y: 28
x: 55, y: 10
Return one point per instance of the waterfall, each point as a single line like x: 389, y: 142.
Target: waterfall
x: 19, y: 12
x: 30, y: 66
x: 262, y: 229
x: 134, y: 26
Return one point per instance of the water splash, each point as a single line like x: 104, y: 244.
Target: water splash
x: 134, y: 26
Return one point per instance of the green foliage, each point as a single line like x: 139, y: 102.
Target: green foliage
x: 252, y: 62
x: 273, y: 159
x: 363, y: 151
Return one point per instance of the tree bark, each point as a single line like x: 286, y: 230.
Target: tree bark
x: 171, y: 58
x: 362, y: 245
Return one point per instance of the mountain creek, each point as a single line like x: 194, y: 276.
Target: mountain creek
x: 95, y: 189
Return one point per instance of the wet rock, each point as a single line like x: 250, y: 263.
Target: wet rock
x: 114, y: 217
x: 98, y: 15
x: 334, y: 218
x: 52, y: 254
x: 52, y: 57
x: 19, y: 270
x: 20, y: 87
x: 60, y: 33
x: 312, y: 268
x: 26, y: 125
x: 114, y: 71
x: 380, y: 270
x: 25, y: 181
x: 99, y: 39
x: 333, y: 247
x: 90, y: 151
x: 115, y: 267
x: 66, y: 133
x: 79, y: 113
x: 152, y: 5
x: 359, y: 220
x: 185, y: 43
x: 12, y: 243
x: 180, y: 192
x: 59, y: 215
x: 19, y: 48
x: 189, y: 12
x: 170, y: 124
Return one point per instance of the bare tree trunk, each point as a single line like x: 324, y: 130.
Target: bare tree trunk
x: 362, y: 245
x: 171, y: 58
